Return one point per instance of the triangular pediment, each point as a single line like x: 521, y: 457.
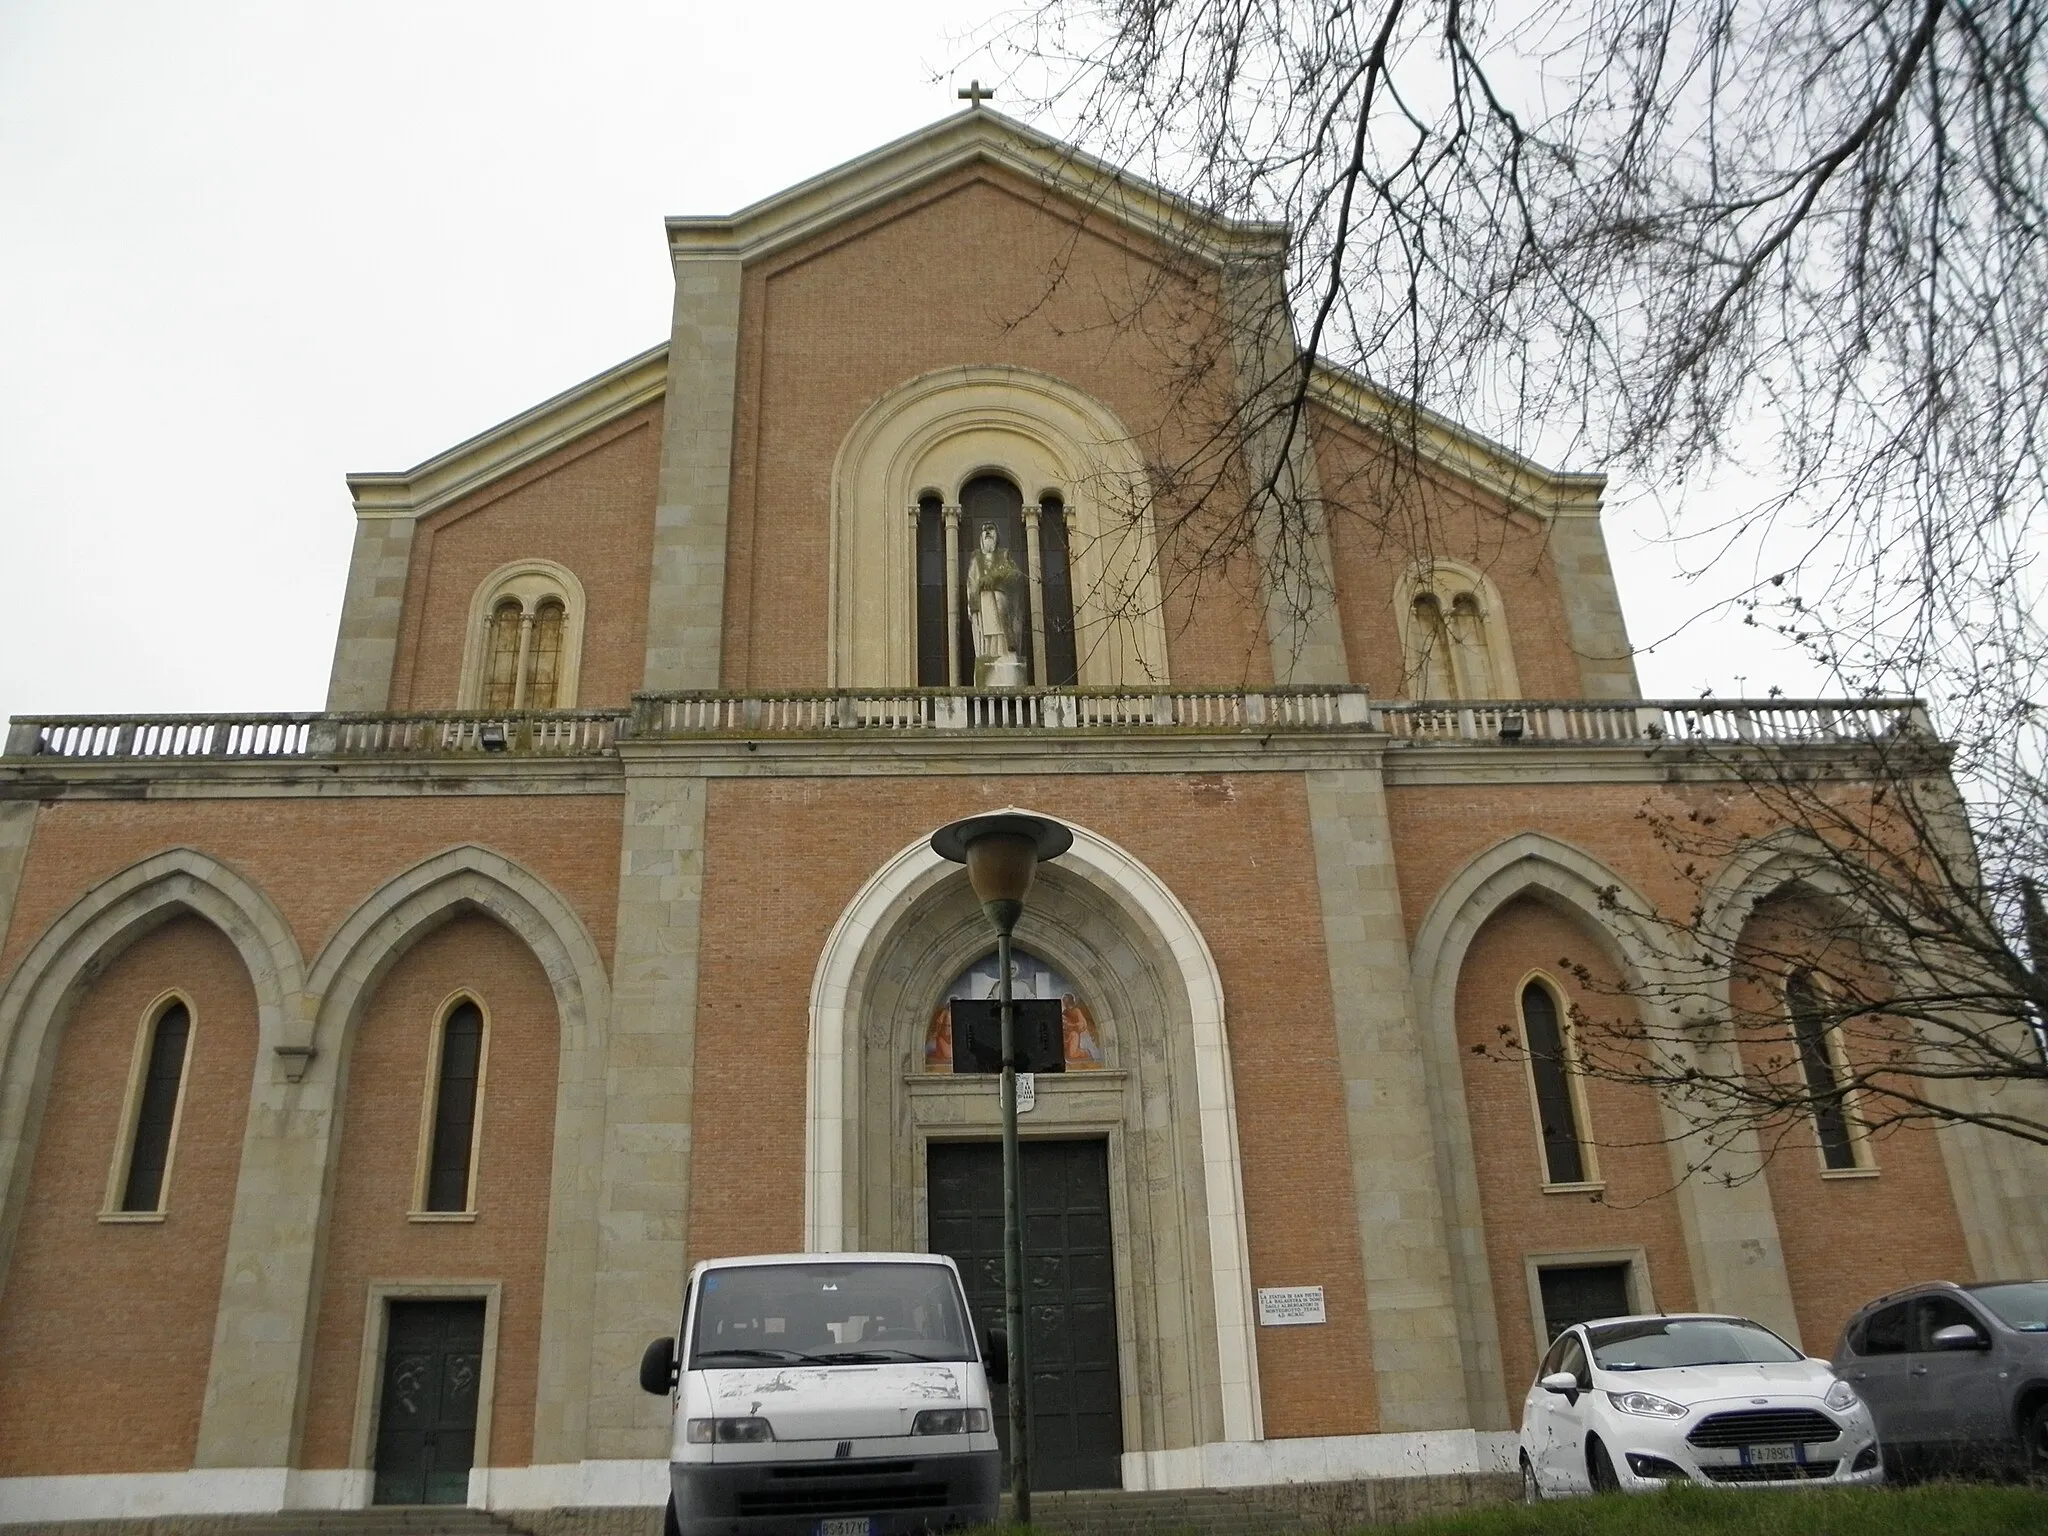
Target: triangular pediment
x: 977, y: 136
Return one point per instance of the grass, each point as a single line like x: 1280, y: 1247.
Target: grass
x: 1936, y: 1509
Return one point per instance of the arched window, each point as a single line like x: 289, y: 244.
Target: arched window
x: 156, y: 1093
x: 1431, y: 641
x: 1553, y: 1080
x: 526, y: 639
x: 994, y: 582
x: 447, y: 1181
x: 1818, y: 1043
x: 1454, y: 640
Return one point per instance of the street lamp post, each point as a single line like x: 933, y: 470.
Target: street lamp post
x: 1002, y: 853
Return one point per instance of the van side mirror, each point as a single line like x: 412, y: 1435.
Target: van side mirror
x: 1959, y: 1336
x: 995, y: 1353
x: 658, y: 1367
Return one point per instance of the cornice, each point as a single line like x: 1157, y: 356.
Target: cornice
x: 1544, y: 492
x: 975, y: 135
x: 308, y: 778
x: 513, y: 444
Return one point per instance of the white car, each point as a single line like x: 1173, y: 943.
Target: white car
x: 1637, y: 1402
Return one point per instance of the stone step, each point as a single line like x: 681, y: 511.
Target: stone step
x: 1310, y: 1509
x: 1320, y: 1508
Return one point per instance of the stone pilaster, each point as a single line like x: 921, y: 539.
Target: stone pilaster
x: 1293, y: 544
x: 686, y: 595
x: 1592, y: 606
x: 644, y: 1195
x: 17, y: 826
x: 1411, y: 1303
x: 367, y: 647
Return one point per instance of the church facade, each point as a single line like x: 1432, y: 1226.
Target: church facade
x: 415, y: 1048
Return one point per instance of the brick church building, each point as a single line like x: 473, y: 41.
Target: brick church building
x: 593, y: 928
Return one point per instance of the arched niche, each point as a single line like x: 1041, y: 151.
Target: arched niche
x: 1162, y: 1102
x: 931, y: 436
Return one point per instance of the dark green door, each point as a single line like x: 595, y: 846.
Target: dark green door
x: 1076, y: 1407
x: 426, y: 1415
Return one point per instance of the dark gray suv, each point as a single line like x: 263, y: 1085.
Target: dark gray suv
x: 1955, y: 1375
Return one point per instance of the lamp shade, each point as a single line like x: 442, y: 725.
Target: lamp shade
x: 1002, y: 853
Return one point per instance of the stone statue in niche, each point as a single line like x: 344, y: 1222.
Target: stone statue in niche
x: 994, y: 614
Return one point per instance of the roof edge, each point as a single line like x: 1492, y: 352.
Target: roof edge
x: 1544, y: 492
x: 515, y: 443
x: 869, y: 180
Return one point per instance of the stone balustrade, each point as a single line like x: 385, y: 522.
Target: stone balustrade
x: 878, y: 713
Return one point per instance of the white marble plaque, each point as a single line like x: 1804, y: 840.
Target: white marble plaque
x: 1289, y: 1306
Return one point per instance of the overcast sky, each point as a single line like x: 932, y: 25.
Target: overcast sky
x: 248, y: 248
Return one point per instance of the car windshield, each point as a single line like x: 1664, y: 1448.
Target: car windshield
x: 1667, y: 1343
x: 2023, y: 1305
x: 828, y: 1313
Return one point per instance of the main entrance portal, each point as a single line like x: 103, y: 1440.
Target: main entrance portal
x: 1076, y: 1407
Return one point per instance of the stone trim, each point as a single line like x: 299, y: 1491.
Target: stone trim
x: 1730, y: 1228
x: 938, y: 431
x: 497, y: 451
x: 362, y: 1443
x: 1642, y: 1297
x: 1996, y: 1179
x: 883, y: 175
x: 1098, y: 861
x: 47, y: 984
x: 345, y: 977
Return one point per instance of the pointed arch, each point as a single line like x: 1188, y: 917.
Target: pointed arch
x: 1716, y: 1217
x: 94, y: 930
x: 263, y: 1339
x: 868, y: 921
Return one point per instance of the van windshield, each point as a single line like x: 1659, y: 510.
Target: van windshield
x: 828, y: 1313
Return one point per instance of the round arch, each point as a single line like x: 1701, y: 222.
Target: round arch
x: 916, y: 880
x: 936, y: 432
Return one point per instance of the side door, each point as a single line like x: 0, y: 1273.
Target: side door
x: 1876, y: 1368
x: 1958, y: 1407
x: 1565, y: 1437
x: 1538, y: 1422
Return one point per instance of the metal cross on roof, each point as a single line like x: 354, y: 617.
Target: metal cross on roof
x: 976, y: 93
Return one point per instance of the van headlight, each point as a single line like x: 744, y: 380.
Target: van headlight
x: 1841, y: 1397
x: 950, y: 1421
x: 728, y: 1431
x: 1647, y: 1405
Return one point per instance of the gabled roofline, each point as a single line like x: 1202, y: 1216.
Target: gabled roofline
x: 976, y: 134
x: 513, y: 444
x: 1538, y: 489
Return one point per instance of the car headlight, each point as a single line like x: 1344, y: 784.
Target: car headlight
x: 1841, y: 1397
x: 950, y: 1421
x: 1647, y: 1405
x: 728, y: 1431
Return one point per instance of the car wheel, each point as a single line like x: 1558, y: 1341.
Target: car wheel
x: 2034, y: 1441
x: 670, y: 1525
x: 1532, y: 1491
x: 1600, y: 1468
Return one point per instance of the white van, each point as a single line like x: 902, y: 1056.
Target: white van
x: 833, y: 1394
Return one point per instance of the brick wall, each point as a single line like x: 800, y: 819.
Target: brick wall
x: 959, y: 272
x: 107, y: 1329
x: 1381, y: 523
x: 1847, y: 1239
x: 1633, y: 1209
x: 318, y: 859
x: 368, y: 1235
x: 588, y: 506
x: 785, y: 857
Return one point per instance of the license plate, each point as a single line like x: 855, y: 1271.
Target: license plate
x: 849, y: 1525
x: 1771, y: 1455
